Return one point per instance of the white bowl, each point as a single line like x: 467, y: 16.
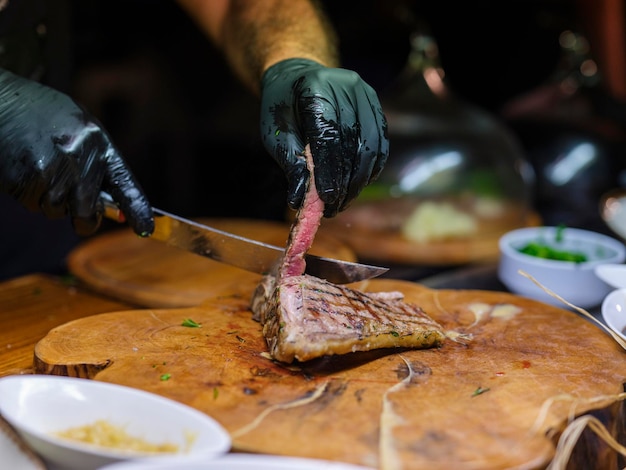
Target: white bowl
x: 613, y: 274
x: 614, y: 311
x: 575, y: 282
x: 38, y: 406
x: 242, y: 462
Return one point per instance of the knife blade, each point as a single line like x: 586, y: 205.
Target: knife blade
x: 235, y: 250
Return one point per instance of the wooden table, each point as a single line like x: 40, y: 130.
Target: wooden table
x: 32, y: 305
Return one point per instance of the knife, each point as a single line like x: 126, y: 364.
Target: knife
x: 251, y: 255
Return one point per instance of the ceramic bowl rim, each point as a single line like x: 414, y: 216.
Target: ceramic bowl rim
x: 608, y: 319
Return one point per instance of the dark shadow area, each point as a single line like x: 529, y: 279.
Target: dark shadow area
x: 189, y: 129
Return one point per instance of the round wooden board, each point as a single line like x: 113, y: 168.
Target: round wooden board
x: 390, y: 246
x: 493, y: 402
x: 152, y: 274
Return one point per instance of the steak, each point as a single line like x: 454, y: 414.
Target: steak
x: 305, y: 317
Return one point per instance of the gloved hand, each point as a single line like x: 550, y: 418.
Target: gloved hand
x: 55, y: 158
x: 334, y: 111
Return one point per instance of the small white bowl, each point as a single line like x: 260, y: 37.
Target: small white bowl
x: 613, y: 274
x: 614, y: 311
x: 38, y: 406
x: 577, y: 283
x: 243, y: 462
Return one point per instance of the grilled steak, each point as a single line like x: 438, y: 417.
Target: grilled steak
x: 305, y: 317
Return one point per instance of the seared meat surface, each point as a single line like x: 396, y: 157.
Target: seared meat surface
x: 305, y: 317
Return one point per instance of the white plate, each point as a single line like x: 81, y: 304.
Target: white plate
x: 242, y: 462
x: 614, y: 311
x: 39, y: 405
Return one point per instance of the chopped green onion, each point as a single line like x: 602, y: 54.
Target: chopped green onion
x: 543, y: 251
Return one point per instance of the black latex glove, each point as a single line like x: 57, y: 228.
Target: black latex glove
x: 334, y: 111
x: 55, y: 158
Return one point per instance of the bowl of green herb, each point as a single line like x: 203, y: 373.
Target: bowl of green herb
x: 561, y: 260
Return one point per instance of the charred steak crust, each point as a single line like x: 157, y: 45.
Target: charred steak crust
x: 308, y: 317
x: 305, y: 317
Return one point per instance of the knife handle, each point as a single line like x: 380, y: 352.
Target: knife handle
x: 111, y: 209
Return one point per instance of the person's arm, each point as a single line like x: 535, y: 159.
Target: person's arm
x: 286, y: 50
x: 256, y: 34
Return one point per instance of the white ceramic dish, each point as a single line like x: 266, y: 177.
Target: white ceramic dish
x: 14, y: 454
x: 613, y: 274
x: 241, y: 462
x: 614, y: 311
x: 37, y: 406
x: 577, y: 283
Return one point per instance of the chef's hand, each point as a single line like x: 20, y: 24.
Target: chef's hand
x: 55, y: 158
x: 340, y: 116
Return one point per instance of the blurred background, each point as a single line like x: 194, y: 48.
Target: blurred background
x: 190, y: 130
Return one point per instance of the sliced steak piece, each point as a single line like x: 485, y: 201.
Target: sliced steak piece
x: 308, y: 317
x: 305, y: 317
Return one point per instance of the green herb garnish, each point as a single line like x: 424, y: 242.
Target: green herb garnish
x: 165, y: 377
x: 540, y: 250
x: 480, y: 391
x: 559, y: 233
x: 190, y: 323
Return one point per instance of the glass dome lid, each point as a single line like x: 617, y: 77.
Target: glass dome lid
x: 454, y: 171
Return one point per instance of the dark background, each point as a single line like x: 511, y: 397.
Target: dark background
x: 189, y: 130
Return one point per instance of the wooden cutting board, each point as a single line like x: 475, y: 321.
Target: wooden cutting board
x: 152, y: 274
x: 494, y: 401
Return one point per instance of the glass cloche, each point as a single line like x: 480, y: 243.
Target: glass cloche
x: 455, y: 173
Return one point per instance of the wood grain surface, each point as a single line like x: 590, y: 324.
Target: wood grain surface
x: 152, y: 274
x: 32, y: 305
x: 497, y: 399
